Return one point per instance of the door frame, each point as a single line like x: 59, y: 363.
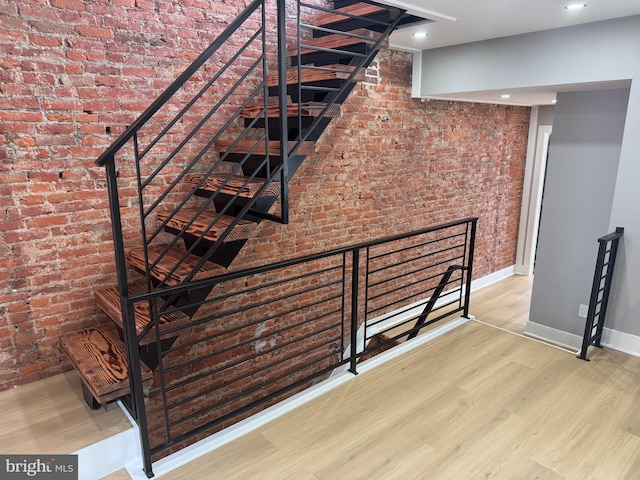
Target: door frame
x: 535, y: 170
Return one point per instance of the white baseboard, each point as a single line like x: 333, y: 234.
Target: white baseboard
x: 493, y: 278
x: 623, y: 342
x: 553, y: 335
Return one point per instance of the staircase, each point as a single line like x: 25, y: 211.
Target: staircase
x: 202, y: 197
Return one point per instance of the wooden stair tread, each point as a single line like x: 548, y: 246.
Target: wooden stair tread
x: 358, y: 9
x: 242, y: 230
x: 336, y: 41
x: 246, y: 146
x: 307, y: 109
x: 100, y: 359
x: 307, y: 75
x: 135, y: 257
x: 236, y: 185
x: 108, y: 299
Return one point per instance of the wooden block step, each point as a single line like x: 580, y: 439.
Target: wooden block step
x: 359, y: 9
x: 238, y: 184
x: 100, y: 359
x: 246, y: 146
x: 179, y: 221
x: 336, y: 41
x: 135, y: 257
x: 108, y: 299
x: 307, y: 75
x: 307, y: 109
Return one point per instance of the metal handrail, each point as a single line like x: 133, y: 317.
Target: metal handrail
x: 108, y: 155
x: 600, y: 290
x: 334, y: 284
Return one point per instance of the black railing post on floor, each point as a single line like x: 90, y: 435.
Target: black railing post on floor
x: 600, y: 290
x: 282, y: 101
x: 472, y: 245
x: 135, y: 380
x: 128, y: 319
x: 354, y: 310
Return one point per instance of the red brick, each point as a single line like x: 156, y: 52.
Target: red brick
x: 94, y: 32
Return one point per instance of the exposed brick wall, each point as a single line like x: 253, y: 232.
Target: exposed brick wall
x: 394, y: 164
x: 69, y: 69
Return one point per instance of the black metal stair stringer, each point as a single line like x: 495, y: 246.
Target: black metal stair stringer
x: 444, y: 281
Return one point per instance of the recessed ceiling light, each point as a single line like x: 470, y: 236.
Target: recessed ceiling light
x: 506, y: 95
x: 421, y: 34
x: 575, y: 6
x: 554, y: 101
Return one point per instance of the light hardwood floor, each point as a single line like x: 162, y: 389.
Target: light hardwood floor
x: 476, y: 403
x: 504, y: 304
x: 50, y: 416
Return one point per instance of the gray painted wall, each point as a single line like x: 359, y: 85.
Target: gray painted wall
x: 578, y: 196
x: 582, y: 56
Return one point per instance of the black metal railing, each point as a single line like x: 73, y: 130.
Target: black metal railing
x: 600, y: 290
x: 177, y: 136
x: 271, y: 331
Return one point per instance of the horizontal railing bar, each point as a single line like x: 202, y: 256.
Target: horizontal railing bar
x: 230, y: 365
x: 295, y: 261
x: 422, y: 269
x: 254, y: 305
x: 384, y: 268
x: 405, y: 286
x: 408, y: 273
x: 417, y: 245
x: 211, y: 318
x: 244, y: 394
x: 411, y: 296
x: 251, y: 373
x: 228, y: 416
x: 226, y: 332
x: 109, y: 154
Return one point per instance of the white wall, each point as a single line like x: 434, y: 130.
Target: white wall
x: 584, y: 54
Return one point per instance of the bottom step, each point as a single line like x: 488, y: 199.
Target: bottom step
x: 100, y: 359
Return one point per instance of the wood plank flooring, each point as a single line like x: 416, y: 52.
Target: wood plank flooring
x: 476, y: 403
x: 504, y: 304
x: 50, y: 416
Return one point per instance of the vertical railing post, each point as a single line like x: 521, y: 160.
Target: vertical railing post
x: 472, y: 245
x: 605, y: 295
x: 600, y: 293
x: 593, y: 300
x: 128, y: 319
x: 355, y: 282
x: 282, y: 105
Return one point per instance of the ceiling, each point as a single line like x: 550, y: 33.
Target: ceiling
x: 454, y: 22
